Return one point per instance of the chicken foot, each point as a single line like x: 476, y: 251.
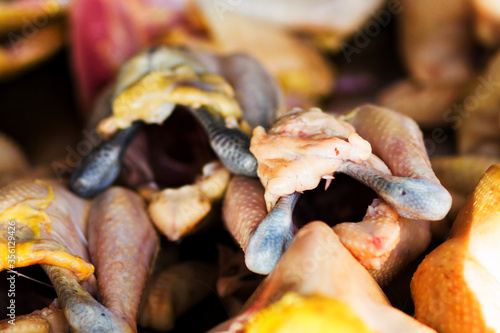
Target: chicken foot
x: 397, y: 140
x: 101, y: 167
x: 411, y: 198
x: 231, y: 145
x: 83, y: 312
x: 272, y: 236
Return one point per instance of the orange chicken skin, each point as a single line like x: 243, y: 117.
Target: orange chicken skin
x: 456, y: 287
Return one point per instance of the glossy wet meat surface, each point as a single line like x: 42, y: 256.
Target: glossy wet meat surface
x: 211, y: 311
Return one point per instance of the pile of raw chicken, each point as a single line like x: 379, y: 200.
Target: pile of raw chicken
x: 251, y: 166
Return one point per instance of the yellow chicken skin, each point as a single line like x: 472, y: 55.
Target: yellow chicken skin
x: 39, y: 218
x: 295, y: 313
x: 456, y: 288
x: 152, y: 96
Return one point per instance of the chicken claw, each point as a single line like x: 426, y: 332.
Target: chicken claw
x: 231, y: 145
x: 305, y: 146
x: 83, y: 312
x: 415, y: 191
x: 153, y: 82
x: 99, y: 169
x: 272, y: 236
x: 411, y: 198
x: 302, y: 148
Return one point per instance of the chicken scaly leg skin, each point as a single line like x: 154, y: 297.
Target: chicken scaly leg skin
x: 83, y: 312
x: 383, y: 242
x: 231, y: 145
x: 413, y: 192
x: 255, y: 89
x: 153, y: 82
x: 272, y: 236
x: 411, y: 198
x: 99, y: 169
x: 262, y: 236
x: 301, y: 149
x: 398, y: 141
x: 150, y: 86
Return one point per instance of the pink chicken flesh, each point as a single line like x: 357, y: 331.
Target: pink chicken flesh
x: 302, y: 148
